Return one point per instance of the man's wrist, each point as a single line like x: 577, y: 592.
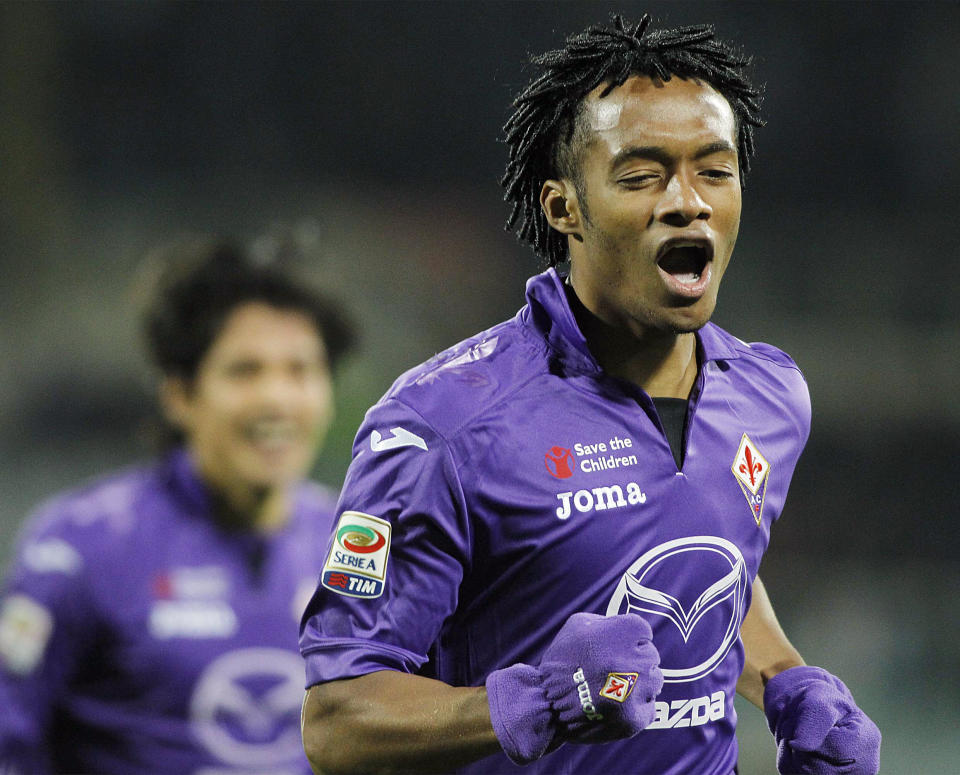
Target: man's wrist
x: 776, y: 668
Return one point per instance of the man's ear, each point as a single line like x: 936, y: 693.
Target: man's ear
x: 558, y: 199
x: 175, y: 401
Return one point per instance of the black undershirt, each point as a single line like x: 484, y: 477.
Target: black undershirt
x: 673, y: 417
x: 672, y: 411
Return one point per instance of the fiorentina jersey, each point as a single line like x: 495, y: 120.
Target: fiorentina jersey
x: 136, y: 636
x: 509, y: 483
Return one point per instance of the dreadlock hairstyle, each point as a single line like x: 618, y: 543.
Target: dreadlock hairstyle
x: 541, y: 131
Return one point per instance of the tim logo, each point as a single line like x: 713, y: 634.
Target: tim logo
x: 559, y: 462
x: 696, y: 588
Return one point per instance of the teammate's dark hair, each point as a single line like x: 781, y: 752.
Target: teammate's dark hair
x: 545, y: 134
x: 195, y: 286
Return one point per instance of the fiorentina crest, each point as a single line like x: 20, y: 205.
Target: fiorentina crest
x: 618, y: 686
x: 751, y: 469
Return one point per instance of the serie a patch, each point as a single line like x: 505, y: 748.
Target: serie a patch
x: 752, y: 472
x: 25, y: 629
x: 357, y: 563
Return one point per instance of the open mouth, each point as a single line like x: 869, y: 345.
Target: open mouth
x: 685, y: 265
x: 272, y: 436
x: 685, y: 261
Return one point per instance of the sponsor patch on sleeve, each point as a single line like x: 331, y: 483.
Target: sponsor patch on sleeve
x: 25, y: 628
x: 357, y: 563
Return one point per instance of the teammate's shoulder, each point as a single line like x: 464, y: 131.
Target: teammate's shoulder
x: 83, y: 527
x: 106, y: 505
x: 461, y: 381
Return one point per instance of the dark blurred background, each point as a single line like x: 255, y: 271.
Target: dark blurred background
x: 371, y: 132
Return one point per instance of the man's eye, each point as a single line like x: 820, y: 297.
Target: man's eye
x: 303, y: 369
x: 638, y: 180
x: 242, y: 369
x: 717, y: 174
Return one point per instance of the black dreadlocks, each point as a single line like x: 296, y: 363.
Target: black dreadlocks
x: 541, y: 131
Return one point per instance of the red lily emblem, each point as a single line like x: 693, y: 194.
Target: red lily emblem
x: 752, y: 466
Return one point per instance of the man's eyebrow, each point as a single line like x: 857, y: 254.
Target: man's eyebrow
x: 660, y: 154
x: 720, y: 146
x: 655, y: 153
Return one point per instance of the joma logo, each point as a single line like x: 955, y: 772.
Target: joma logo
x: 586, y: 699
x: 599, y: 499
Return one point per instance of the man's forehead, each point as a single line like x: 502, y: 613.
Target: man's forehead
x: 651, y: 101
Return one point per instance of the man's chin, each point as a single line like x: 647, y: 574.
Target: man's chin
x: 687, y: 320
x: 265, y: 479
x: 686, y: 325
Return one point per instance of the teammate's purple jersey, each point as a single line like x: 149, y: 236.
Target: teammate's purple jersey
x: 138, y: 637
x: 509, y: 482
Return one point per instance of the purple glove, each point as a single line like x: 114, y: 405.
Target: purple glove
x: 595, y: 682
x: 819, y: 728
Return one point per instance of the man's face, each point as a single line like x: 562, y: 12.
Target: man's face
x: 260, y: 402
x: 660, y: 177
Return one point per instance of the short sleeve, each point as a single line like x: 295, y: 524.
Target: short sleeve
x: 46, y: 624
x: 397, y: 555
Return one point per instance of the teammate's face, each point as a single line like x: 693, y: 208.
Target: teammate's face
x: 662, y: 188
x: 256, y: 411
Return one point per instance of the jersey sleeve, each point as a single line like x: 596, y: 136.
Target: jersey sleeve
x: 46, y: 625
x: 397, y: 555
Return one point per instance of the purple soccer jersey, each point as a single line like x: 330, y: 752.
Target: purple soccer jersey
x: 138, y: 637
x: 509, y: 483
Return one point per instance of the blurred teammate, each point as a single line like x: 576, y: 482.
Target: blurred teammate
x: 550, y: 534
x: 148, y: 623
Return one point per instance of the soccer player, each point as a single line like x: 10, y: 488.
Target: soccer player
x: 149, y: 621
x: 548, y: 540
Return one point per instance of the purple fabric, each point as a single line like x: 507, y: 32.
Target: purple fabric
x: 595, y: 683
x: 173, y: 649
x: 541, y: 487
x: 818, y: 726
x: 520, y: 712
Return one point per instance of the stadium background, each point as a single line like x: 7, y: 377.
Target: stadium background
x: 370, y: 130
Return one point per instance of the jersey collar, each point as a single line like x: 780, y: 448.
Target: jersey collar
x: 187, y: 484
x: 549, y: 314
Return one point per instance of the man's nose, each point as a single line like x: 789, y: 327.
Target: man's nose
x: 277, y: 388
x: 681, y: 203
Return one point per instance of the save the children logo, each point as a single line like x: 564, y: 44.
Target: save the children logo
x: 357, y: 563
x: 752, y: 471
x: 698, y: 584
x: 590, y: 457
x: 558, y: 461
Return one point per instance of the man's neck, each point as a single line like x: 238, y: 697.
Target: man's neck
x: 662, y: 364
x: 264, y: 511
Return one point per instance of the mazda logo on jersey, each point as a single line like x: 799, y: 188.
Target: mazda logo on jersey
x: 245, y: 709
x: 559, y: 462
x: 699, y: 622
